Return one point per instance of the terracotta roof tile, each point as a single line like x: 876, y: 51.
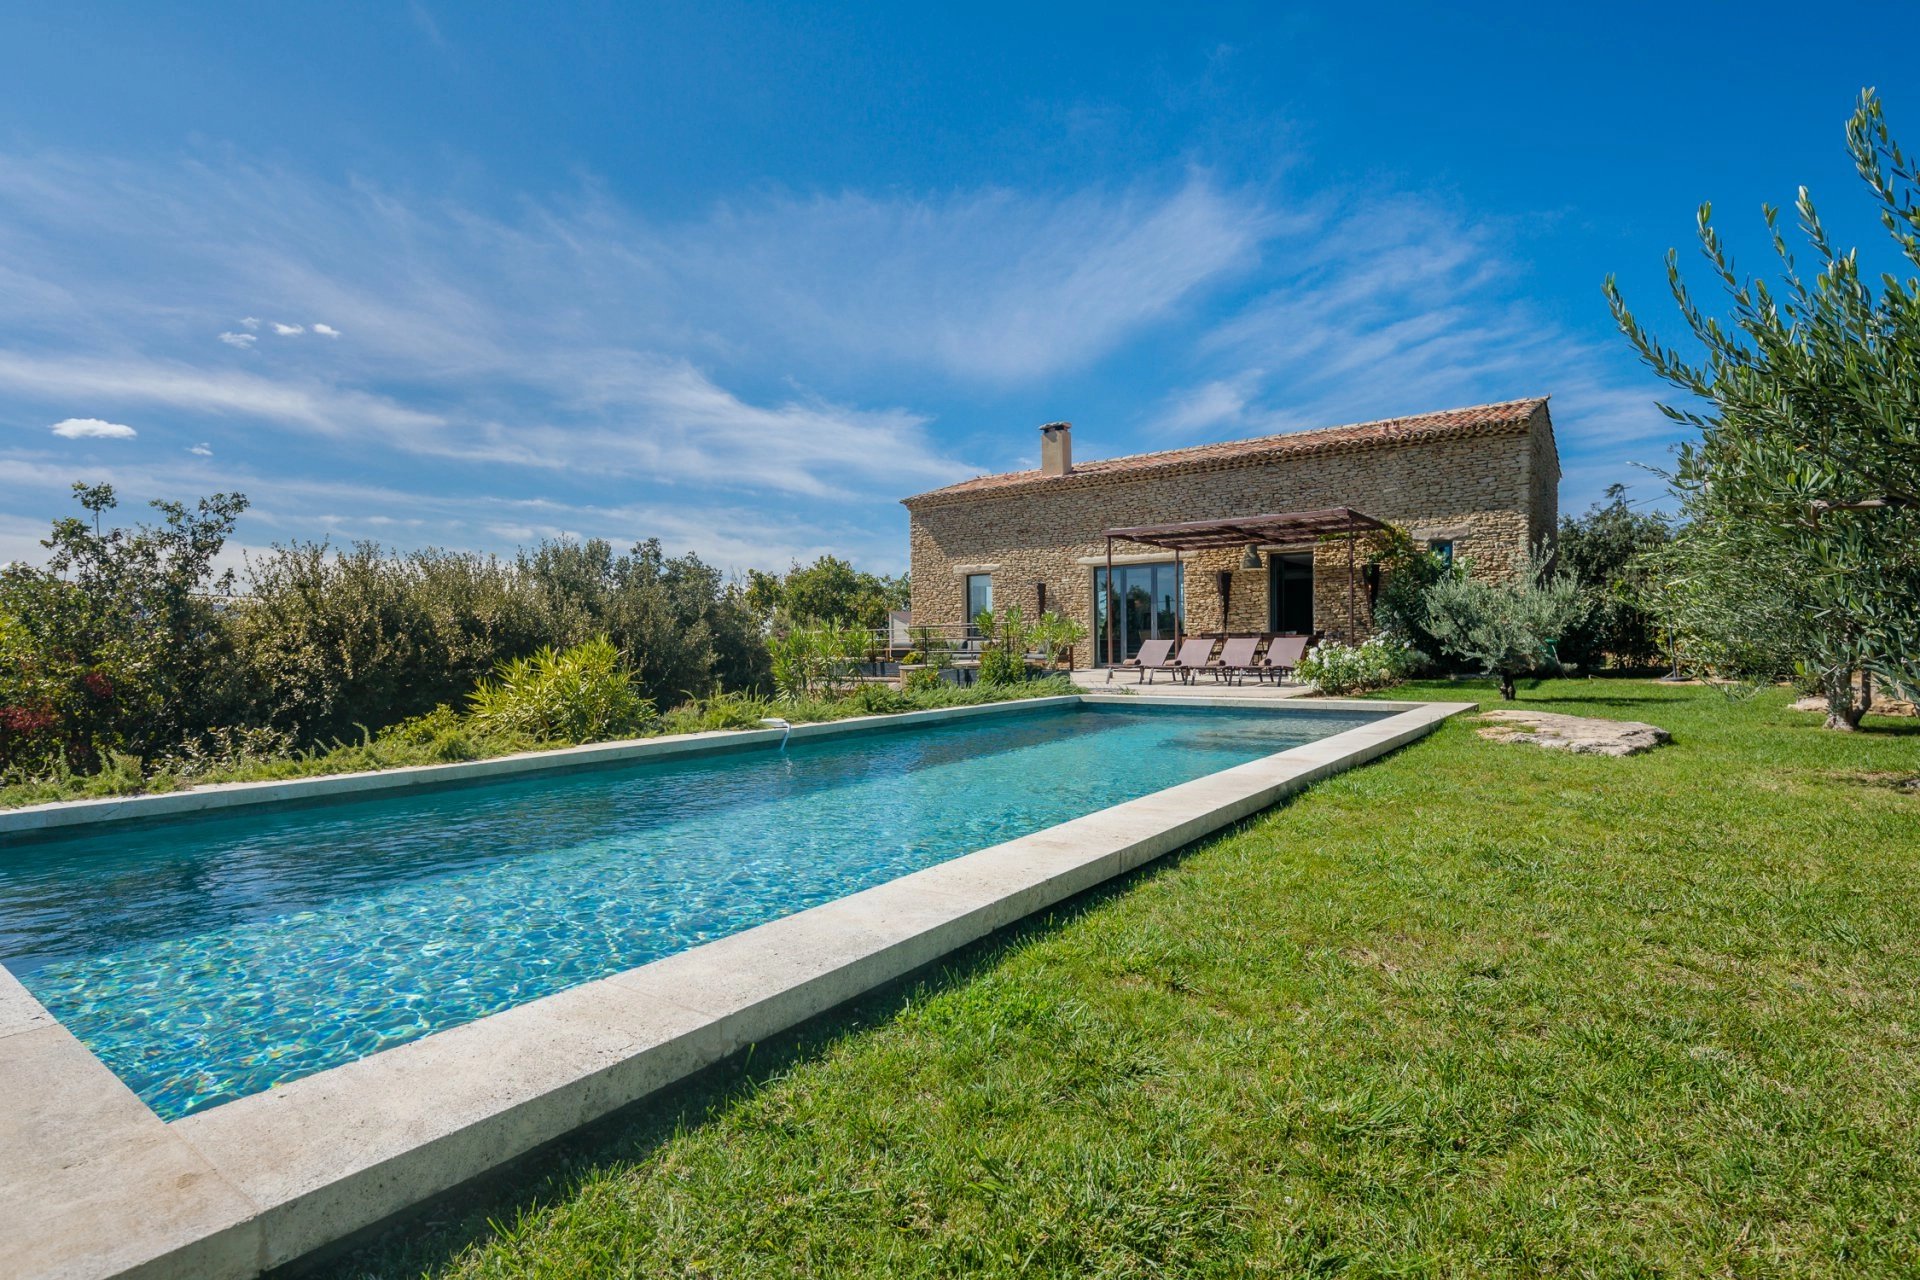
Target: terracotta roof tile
x: 1481, y: 419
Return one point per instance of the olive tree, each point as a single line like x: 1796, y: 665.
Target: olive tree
x: 1806, y: 463
x: 1508, y: 627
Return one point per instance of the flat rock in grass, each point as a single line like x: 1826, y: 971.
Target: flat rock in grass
x: 1881, y: 707
x: 1581, y: 735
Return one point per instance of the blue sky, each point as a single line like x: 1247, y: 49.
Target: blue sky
x: 741, y: 276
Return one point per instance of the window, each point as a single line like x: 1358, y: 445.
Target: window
x: 979, y: 598
x: 1442, y: 547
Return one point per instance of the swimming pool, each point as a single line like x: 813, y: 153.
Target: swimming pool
x: 208, y: 959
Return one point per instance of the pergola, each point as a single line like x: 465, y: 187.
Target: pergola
x: 1240, y: 531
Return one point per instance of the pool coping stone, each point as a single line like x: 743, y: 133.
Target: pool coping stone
x: 94, y: 1184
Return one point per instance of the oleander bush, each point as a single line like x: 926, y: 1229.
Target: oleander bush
x: 582, y: 694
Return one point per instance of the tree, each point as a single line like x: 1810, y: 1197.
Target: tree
x: 1509, y: 628
x: 1407, y: 572
x: 1605, y: 550
x: 1730, y: 607
x: 1807, y: 459
x: 119, y: 638
x: 828, y: 590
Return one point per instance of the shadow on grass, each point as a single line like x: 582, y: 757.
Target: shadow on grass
x: 432, y: 1235
x: 1598, y: 699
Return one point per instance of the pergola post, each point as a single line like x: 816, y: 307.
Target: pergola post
x: 1107, y: 605
x: 1353, y: 621
x: 1179, y: 599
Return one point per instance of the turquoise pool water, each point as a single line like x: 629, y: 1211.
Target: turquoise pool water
x: 207, y: 959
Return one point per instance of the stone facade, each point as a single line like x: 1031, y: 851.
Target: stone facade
x: 1484, y: 479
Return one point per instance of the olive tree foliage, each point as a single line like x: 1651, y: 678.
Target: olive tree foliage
x: 1805, y: 473
x: 1510, y: 627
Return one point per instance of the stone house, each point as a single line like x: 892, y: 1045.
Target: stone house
x: 1480, y: 483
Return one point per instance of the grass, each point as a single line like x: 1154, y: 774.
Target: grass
x: 1476, y: 1009
x: 444, y: 736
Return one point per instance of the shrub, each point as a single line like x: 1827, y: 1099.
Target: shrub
x: 1607, y: 551
x: 920, y: 681
x: 1508, y: 627
x: 581, y: 694
x: 1335, y: 668
x: 330, y: 639
x: 816, y: 662
x: 879, y: 700
x: 733, y: 710
x: 1056, y: 634
x: 1004, y: 660
x: 1407, y: 572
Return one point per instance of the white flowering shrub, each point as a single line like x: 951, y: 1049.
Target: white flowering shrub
x: 1335, y: 668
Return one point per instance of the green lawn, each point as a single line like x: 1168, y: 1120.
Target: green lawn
x: 1474, y: 1009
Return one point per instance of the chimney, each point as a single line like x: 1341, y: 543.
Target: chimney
x: 1056, y: 448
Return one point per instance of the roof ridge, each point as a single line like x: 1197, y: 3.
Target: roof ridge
x: 1466, y: 417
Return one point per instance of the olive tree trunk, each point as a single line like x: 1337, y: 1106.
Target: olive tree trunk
x: 1846, y: 704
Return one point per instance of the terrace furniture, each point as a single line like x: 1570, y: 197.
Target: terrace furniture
x: 1194, y: 652
x: 1283, y: 654
x: 1236, y: 658
x: 1154, y: 655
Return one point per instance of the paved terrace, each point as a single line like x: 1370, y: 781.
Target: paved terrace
x: 1094, y: 680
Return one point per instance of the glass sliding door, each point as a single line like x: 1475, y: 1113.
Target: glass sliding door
x: 1148, y: 604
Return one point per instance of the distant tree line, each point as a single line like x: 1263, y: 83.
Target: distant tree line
x: 128, y: 639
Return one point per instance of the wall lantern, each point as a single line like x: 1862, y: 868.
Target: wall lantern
x: 1251, y: 560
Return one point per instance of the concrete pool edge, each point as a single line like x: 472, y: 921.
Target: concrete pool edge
x: 92, y: 1183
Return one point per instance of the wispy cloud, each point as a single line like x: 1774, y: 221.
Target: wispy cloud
x: 583, y: 340
x: 1402, y: 305
x: 997, y: 285
x: 757, y: 380
x: 92, y: 429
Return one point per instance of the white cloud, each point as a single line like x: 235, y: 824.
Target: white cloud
x: 317, y: 406
x: 244, y: 341
x: 201, y: 450
x: 251, y: 322
x: 287, y: 330
x: 92, y: 429
x: 326, y: 331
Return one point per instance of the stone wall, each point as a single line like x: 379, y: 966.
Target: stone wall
x: 1493, y: 496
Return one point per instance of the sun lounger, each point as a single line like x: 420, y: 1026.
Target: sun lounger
x: 1154, y: 655
x: 1236, y: 657
x: 1194, y: 652
x: 1283, y: 654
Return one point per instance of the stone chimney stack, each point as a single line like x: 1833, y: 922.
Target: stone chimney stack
x: 1056, y: 448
